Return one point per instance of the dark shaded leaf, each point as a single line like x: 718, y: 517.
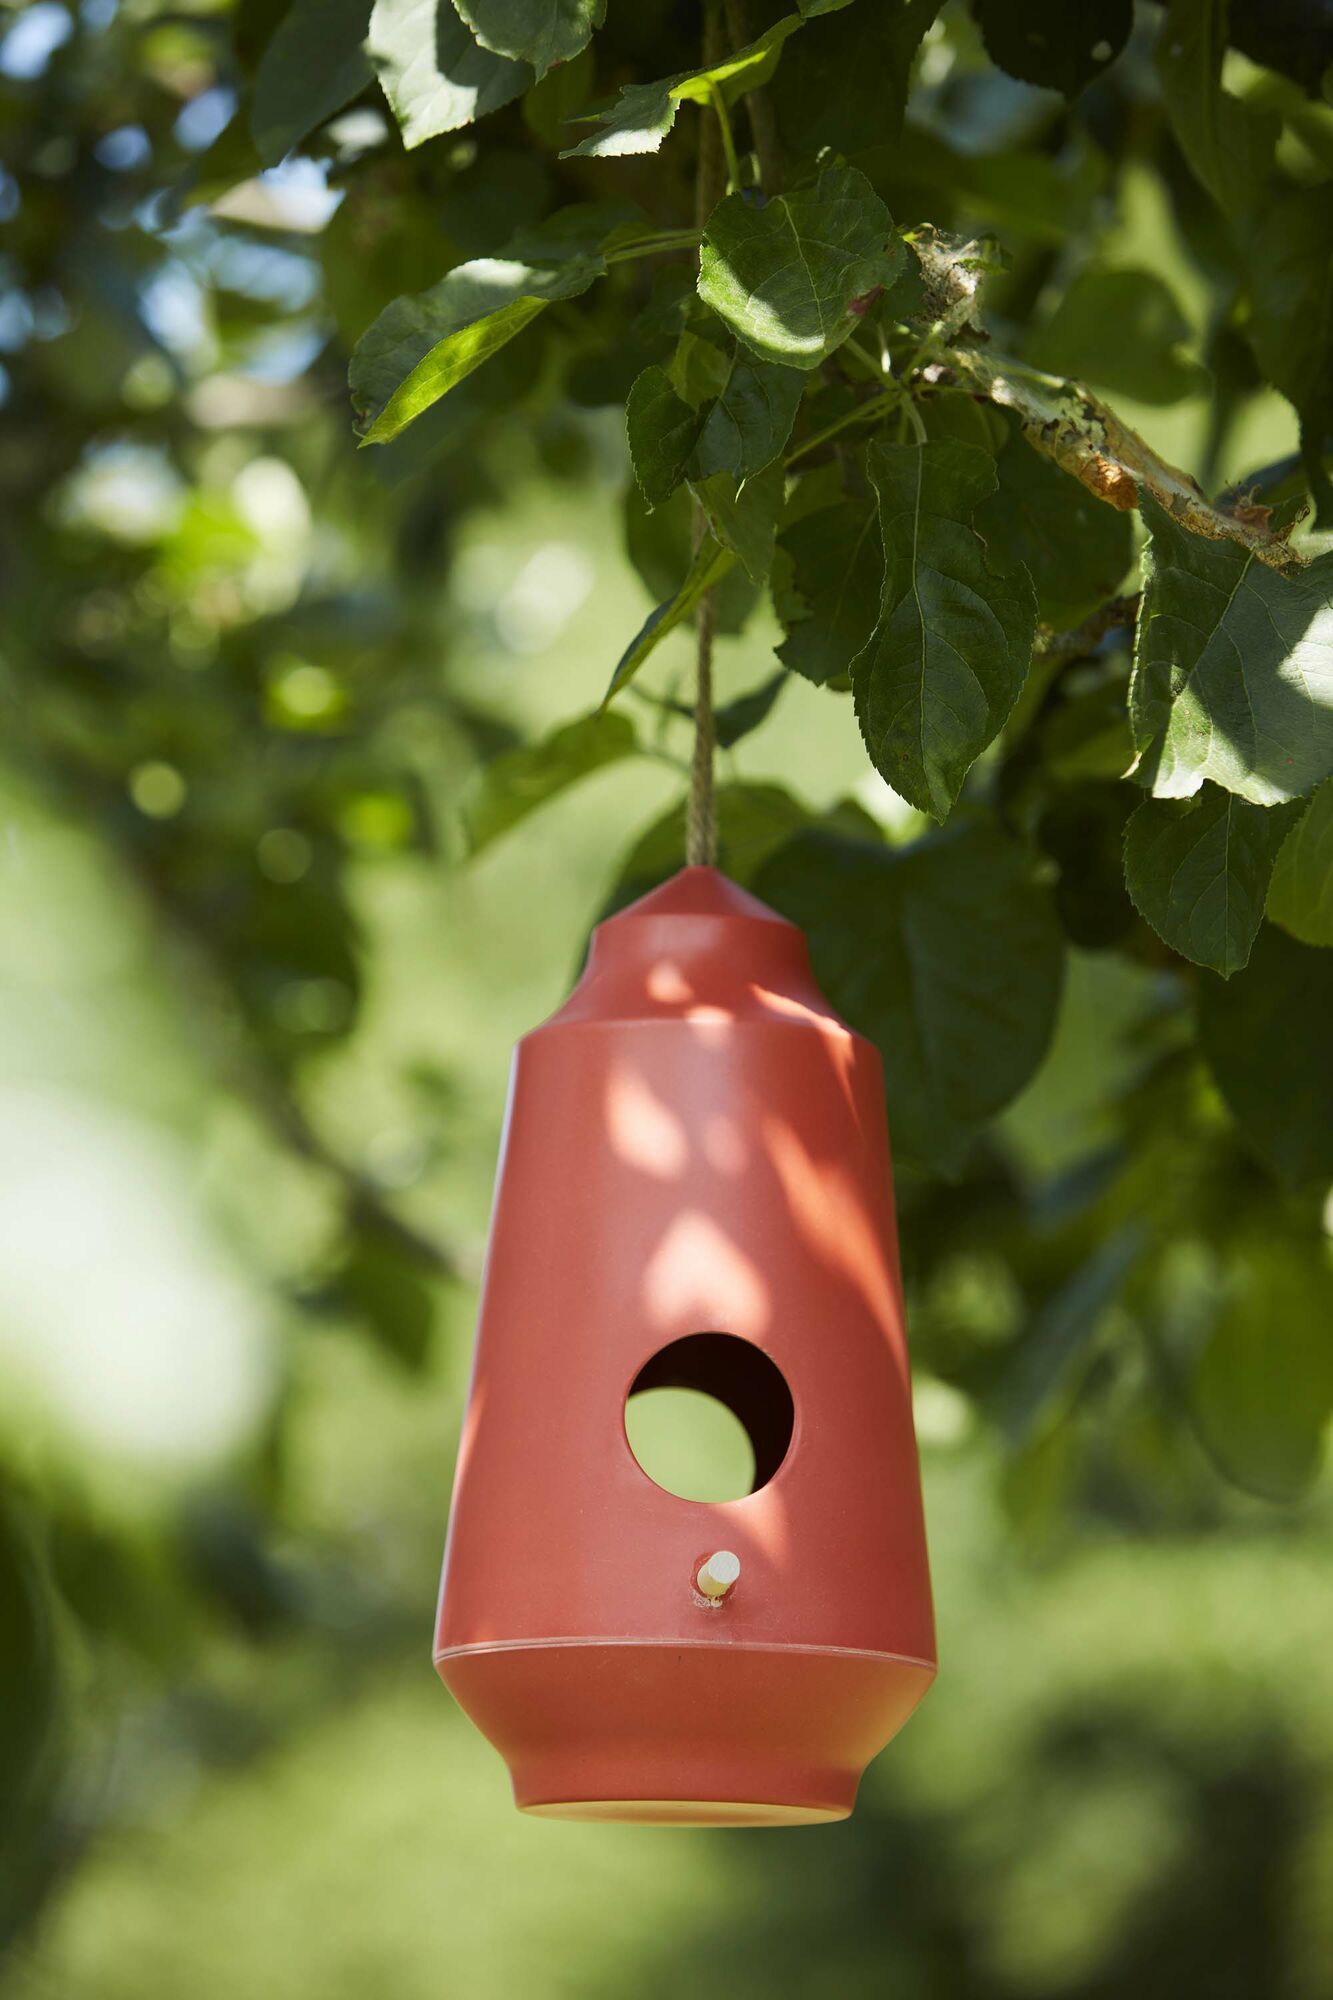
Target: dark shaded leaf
x: 709, y: 563
x: 1198, y: 871
x: 848, y: 88
x: 946, y: 954
x: 954, y: 639
x: 1263, y: 1387
x: 660, y: 544
x: 753, y: 822
x: 1052, y: 44
x: 314, y: 64
x: 516, y: 783
x: 1300, y: 895
x: 1291, y: 319
x: 662, y: 429
x: 1076, y: 549
x: 1266, y: 1036
x: 745, y: 521
x: 830, y: 608
x: 1228, y: 146
x: 1119, y: 330
x: 739, y: 718
x: 749, y: 423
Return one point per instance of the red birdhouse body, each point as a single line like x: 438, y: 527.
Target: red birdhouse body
x: 694, y: 1190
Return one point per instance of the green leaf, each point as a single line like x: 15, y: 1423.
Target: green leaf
x: 1050, y: 43
x: 753, y: 822
x: 1290, y: 261
x: 1228, y: 146
x: 1198, y: 871
x: 421, y: 347
x: 784, y: 276
x: 1263, y: 1386
x: 750, y: 422
x: 540, y: 32
x: 314, y: 64
x: 1061, y: 1333
x: 832, y: 602
x: 1119, y: 330
x: 517, y: 782
x: 1266, y: 1038
x: 435, y: 76
x: 1233, y: 669
x: 952, y: 647
x: 662, y: 429
x: 745, y: 521
x: 394, y: 1304
x: 700, y: 368
x: 1076, y: 548
x: 644, y: 113
x: 945, y: 954
x: 1300, y: 895
x: 710, y: 562
x: 659, y: 542
x: 849, y: 87
x: 739, y: 718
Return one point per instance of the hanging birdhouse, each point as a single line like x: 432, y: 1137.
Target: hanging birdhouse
x: 695, y: 1193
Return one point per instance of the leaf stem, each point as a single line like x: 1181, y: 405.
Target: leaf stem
x: 650, y: 246
x: 863, y: 413
x: 719, y: 105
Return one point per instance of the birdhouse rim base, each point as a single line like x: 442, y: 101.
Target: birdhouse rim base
x: 673, y: 1644
x: 686, y: 1812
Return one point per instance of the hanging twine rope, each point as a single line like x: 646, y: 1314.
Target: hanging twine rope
x: 709, y: 186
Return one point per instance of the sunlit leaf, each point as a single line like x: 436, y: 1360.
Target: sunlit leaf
x: 436, y: 77
x: 419, y: 348
x: 540, y: 32
x: 784, y: 277
x: 644, y: 113
x: 1233, y: 669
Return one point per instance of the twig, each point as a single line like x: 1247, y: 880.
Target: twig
x: 763, y: 124
x: 1061, y: 647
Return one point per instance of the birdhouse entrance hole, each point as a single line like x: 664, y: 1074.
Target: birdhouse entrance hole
x: 709, y: 1417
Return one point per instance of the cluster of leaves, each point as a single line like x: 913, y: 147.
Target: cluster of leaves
x: 1127, y: 740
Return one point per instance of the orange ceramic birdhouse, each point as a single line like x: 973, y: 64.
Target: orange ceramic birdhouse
x: 694, y: 1192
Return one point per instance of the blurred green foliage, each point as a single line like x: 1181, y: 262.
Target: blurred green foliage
x: 307, y: 815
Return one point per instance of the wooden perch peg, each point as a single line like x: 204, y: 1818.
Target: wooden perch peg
x: 718, y: 1574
